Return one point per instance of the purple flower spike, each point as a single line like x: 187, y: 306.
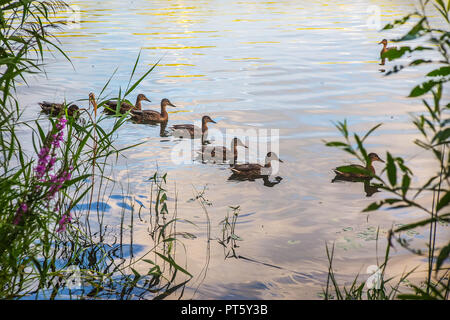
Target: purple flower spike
x: 45, y: 160
x: 23, y: 208
x: 66, y: 219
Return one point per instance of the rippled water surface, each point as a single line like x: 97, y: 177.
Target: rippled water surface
x: 294, y: 66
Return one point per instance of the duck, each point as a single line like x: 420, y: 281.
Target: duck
x: 193, y: 131
x: 152, y: 115
x: 223, y: 153
x: 255, y: 169
x: 367, y: 172
x: 111, y: 106
x: 58, y: 109
x: 385, y: 49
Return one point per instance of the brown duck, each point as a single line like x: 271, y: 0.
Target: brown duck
x: 152, y: 115
x: 255, y: 169
x: 366, y: 172
x: 385, y: 49
x: 189, y: 130
x: 222, y: 153
x: 58, y: 109
x: 111, y: 106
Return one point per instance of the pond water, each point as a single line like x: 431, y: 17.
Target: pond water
x: 291, y: 66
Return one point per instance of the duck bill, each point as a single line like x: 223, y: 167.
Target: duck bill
x: 147, y: 99
x: 380, y: 160
x: 280, y: 160
x: 212, y: 121
x: 172, y: 105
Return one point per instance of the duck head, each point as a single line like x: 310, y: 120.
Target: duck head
x: 142, y: 97
x: 165, y: 102
x: 207, y: 119
x: 383, y: 42
x: 91, y: 97
x: 73, y: 108
x: 272, y: 156
x: 374, y: 157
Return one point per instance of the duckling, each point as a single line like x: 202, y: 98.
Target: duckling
x: 124, y: 106
x: 367, y: 172
x: 152, y: 115
x: 58, y: 109
x: 385, y: 49
x: 180, y: 130
x: 255, y: 169
x: 223, y: 153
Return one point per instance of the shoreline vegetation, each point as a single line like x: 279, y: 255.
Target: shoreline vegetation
x: 53, y: 231
x: 432, y: 125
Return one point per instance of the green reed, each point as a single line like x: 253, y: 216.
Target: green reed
x: 229, y: 237
x: 43, y: 231
x: 433, y: 127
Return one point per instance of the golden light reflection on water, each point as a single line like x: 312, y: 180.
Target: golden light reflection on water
x: 292, y: 65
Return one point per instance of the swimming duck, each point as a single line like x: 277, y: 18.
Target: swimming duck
x: 385, y: 49
x: 111, y: 106
x: 183, y: 130
x: 367, y: 172
x: 57, y: 109
x: 223, y: 153
x: 152, y: 115
x: 255, y: 169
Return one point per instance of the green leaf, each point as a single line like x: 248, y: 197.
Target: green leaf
x: 423, y: 88
x: 370, y: 131
x: 414, y: 225
x: 406, y: 181
x: 443, y: 202
x: 419, y: 62
x: 415, y: 32
x: 336, y: 144
x: 391, y: 170
x: 443, y: 255
x: 173, y: 264
x: 353, y: 169
x: 374, y: 206
x: 398, y: 22
x: 442, y: 135
x: 443, y: 71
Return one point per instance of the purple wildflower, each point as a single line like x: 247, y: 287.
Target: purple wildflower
x: 63, y: 222
x: 19, y: 213
x: 57, y: 183
x: 46, y: 160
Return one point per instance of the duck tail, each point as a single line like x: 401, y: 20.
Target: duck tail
x: 235, y: 170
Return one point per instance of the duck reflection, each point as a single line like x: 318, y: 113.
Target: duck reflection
x: 265, y: 178
x: 369, y: 188
x: 162, y: 126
